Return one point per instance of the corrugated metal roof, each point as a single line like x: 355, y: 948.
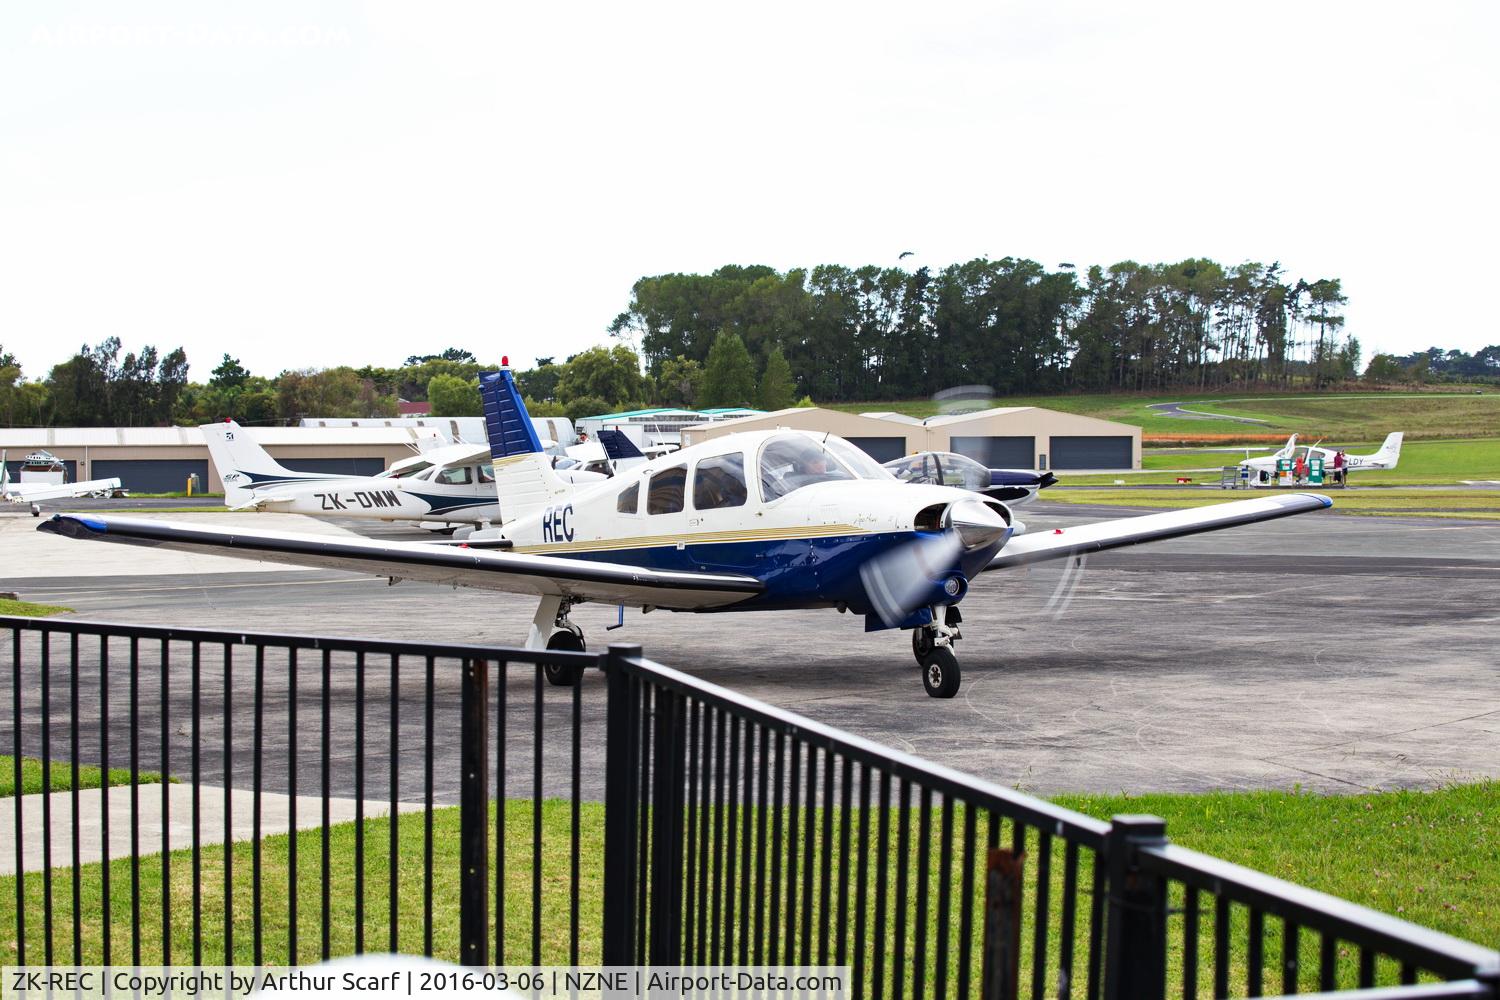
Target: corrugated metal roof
x: 893, y: 416
x: 956, y: 418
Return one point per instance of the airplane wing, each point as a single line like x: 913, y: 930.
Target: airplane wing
x: 1118, y: 533
x: 489, y: 569
x: 33, y: 492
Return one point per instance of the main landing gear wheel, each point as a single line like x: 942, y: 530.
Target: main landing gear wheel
x: 559, y: 675
x: 940, y: 674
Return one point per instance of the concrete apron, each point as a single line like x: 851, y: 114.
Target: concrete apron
x: 275, y: 810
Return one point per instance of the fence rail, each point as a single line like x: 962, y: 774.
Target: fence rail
x: 689, y: 825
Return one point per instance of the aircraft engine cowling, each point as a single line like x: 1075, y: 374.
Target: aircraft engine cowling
x: 953, y: 542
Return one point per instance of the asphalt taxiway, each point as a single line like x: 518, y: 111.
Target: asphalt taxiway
x: 1332, y: 653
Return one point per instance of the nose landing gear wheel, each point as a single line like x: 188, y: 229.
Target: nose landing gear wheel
x: 940, y: 674
x: 559, y: 675
x: 921, y: 643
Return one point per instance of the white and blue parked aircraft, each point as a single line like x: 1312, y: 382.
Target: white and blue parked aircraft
x: 441, y: 487
x: 945, y: 468
x: 756, y: 521
x: 52, y: 487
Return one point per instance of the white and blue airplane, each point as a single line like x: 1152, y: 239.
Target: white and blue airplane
x: 945, y: 468
x: 52, y: 487
x: 441, y: 487
x: 755, y: 521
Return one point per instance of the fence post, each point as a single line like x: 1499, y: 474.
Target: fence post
x: 1135, y: 952
x: 474, y: 813
x: 621, y: 791
x: 1001, y: 969
x: 667, y: 829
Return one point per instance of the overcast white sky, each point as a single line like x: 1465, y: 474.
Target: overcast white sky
x: 308, y: 184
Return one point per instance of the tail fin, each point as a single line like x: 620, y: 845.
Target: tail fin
x: 617, y: 446
x: 242, y: 464
x: 4, y: 476
x: 524, y: 479
x: 1390, y: 451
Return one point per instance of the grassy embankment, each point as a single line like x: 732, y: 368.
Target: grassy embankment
x: 89, y: 776
x: 28, y: 609
x: 1429, y: 857
x: 1339, y: 418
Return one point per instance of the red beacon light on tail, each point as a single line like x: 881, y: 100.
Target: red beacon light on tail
x: 505, y: 361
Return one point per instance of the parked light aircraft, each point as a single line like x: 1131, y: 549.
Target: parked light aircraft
x: 944, y: 468
x: 1263, y: 470
x: 753, y: 521
x: 438, y: 487
x: 35, y: 493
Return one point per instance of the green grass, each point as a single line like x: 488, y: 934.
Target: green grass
x: 1395, y: 502
x: 28, y: 609
x: 1341, y: 417
x: 62, y: 776
x: 1423, y: 463
x: 1429, y: 857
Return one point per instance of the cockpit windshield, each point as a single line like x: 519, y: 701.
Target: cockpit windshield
x: 941, y: 468
x: 792, y: 461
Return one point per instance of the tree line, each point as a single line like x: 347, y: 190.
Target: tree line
x: 753, y: 336
x: 873, y: 333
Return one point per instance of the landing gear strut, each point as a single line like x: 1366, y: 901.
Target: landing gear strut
x: 552, y: 629
x: 932, y: 645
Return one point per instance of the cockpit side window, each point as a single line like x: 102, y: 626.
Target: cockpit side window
x: 665, y: 495
x: 455, y: 476
x: 720, y: 482
x: 789, y: 463
x: 629, y: 500
x: 487, y: 472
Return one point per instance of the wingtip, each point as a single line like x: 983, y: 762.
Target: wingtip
x: 73, y: 526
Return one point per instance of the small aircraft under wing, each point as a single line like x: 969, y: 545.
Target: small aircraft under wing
x: 35, y: 493
x: 754, y: 521
x: 945, y: 468
x: 1335, y: 460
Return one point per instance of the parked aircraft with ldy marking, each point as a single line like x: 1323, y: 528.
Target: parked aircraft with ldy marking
x: 756, y: 521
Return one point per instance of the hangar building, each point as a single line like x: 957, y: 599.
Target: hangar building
x: 160, y: 459
x: 1020, y: 437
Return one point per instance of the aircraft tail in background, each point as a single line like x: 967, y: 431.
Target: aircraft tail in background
x: 525, y: 481
x: 1389, y: 453
x: 243, y: 465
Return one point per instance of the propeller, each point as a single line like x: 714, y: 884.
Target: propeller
x: 923, y: 570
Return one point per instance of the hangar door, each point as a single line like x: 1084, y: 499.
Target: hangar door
x: 152, y: 475
x: 335, y: 466
x: 881, y: 449
x: 1092, y: 452
x: 70, y: 469
x: 997, y: 452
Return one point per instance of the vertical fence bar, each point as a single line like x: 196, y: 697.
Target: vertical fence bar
x: 539, y: 685
x: 1066, y: 947
x: 1041, y: 909
x: 721, y: 723
x: 73, y: 748
x: 924, y: 867
x: 618, y: 934
x: 882, y: 853
x: 393, y: 933
x: 809, y: 853
x: 135, y: 803
x: 1221, y: 947
x: 1136, y: 929
x: 325, y: 831
x: 778, y: 795
x: 763, y: 815
x: 690, y: 870
x: 1190, y: 943
x: 474, y: 756
x: 903, y: 848
x: 228, y: 851
x: 197, y: 678
x: 502, y: 708
x: 704, y: 797
x: 794, y: 796
x: 47, y: 797
x: 1290, y: 949
x: 575, y: 819
x: 1328, y: 956
x: 1255, y: 953
x: 746, y: 816
x: 825, y: 860
x: 258, y: 739
x: 945, y: 898
x: 359, y: 803
x: 846, y: 799
x: 666, y: 834
x: 966, y: 898
x: 642, y: 763
x: 15, y: 697
x: 427, y: 768
x: 291, y: 805
x: 731, y: 814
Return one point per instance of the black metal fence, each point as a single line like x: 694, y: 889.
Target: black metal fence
x: 319, y: 797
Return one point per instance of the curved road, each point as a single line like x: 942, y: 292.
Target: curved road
x: 1176, y: 410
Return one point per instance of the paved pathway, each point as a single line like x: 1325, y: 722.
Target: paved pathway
x: 275, y: 811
